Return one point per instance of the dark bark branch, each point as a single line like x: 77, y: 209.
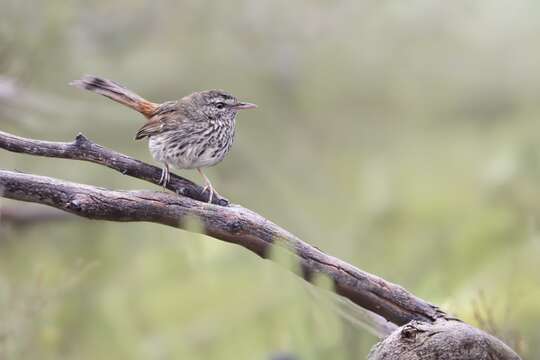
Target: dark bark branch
x: 85, y: 150
x: 232, y: 223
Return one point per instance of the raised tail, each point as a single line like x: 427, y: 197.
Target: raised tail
x: 116, y: 92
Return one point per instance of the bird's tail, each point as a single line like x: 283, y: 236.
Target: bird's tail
x: 116, y: 92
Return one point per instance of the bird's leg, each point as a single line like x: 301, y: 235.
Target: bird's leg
x: 165, y: 176
x: 207, y: 186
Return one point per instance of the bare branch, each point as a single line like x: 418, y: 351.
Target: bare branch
x: 425, y: 330
x: 232, y: 223
x: 85, y: 150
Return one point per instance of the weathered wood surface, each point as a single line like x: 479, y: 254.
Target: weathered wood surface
x: 227, y: 222
x: 85, y: 150
x: 441, y: 340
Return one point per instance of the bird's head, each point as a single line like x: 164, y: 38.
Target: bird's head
x: 218, y: 104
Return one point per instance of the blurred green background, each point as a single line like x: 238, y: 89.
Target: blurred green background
x: 403, y: 137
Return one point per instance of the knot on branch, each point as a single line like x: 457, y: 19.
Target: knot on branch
x: 81, y: 140
x: 235, y: 227
x: 409, y: 331
x: 75, y: 204
x: 223, y: 202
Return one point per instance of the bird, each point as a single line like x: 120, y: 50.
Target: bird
x: 194, y: 132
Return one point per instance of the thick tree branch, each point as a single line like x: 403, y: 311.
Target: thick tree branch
x: 231, y: 223
x: 439, y: 341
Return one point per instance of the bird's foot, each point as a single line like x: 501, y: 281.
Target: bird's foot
x: 221, y: 201
x: 210, y: 192
x: 165, y: 176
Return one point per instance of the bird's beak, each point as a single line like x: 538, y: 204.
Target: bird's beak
x: 243, y: 105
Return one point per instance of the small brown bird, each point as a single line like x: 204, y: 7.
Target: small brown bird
x: 194, y: 132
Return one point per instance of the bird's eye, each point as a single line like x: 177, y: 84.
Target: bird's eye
x: 220, y: 105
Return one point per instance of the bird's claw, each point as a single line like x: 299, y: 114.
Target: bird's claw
x: 165, y: 177
x: 210, y: 192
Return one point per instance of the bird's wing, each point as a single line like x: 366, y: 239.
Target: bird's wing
x: 149, y: 129
x: 167, y: 116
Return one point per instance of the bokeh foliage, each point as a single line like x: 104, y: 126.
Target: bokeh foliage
x: 400, y: 136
